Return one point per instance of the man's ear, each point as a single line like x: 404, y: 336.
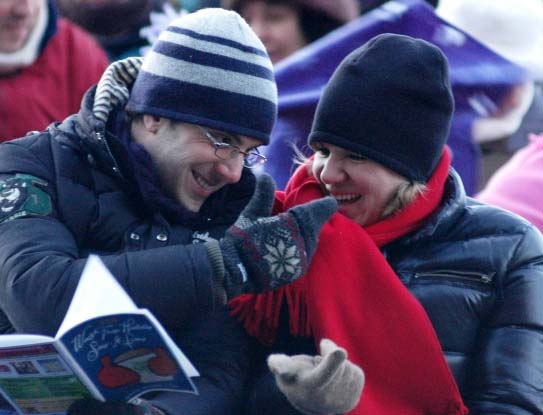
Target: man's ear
x: 152, y: 123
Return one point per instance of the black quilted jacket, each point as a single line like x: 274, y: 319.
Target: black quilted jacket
x: 96, y: 208
x: 478, y: 272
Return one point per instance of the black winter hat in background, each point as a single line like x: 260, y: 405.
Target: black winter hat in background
x: 390, y: 100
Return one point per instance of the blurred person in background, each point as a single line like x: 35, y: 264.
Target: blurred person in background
x: 518, y: 185
x: 287, y: 26
x: 115, y: 24
x: 514, y: 31
x: 46, y: 65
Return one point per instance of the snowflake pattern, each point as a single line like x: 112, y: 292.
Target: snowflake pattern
x: 284, y: 262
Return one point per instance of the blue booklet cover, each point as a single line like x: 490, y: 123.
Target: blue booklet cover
x: 106, y: 348
x: 125, y: 355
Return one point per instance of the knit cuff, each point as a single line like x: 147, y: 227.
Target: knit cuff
x: 218, y: 272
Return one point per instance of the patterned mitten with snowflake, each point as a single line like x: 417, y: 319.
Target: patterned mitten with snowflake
x: 263, y: 252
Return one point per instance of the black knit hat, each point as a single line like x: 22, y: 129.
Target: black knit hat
x: 389, y: 100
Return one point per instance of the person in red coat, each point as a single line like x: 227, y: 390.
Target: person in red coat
x: 46, y: 65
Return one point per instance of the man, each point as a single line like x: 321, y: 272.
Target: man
x: 147, y: 170
x: 46, y: 65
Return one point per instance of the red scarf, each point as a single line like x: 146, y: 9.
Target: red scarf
x: 351, y: 295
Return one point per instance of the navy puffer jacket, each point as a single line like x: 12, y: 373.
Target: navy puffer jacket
x: 87, y: 203
x: 478, y: 272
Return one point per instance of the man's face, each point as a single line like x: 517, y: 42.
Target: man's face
x: 17, y: 18
x: 188, y: 169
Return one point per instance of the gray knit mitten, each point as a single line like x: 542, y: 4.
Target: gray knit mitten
x: 263, y: 252
x: 319, y: 385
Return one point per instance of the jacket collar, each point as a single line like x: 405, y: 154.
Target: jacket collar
x: 451, y: 207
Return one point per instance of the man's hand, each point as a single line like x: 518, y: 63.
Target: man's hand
x: 319, y: 385
x: 263, y: 252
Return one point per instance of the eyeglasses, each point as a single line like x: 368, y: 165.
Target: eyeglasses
x: 226, y: 151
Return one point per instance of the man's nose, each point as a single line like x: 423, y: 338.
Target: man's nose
x: 231, y: 169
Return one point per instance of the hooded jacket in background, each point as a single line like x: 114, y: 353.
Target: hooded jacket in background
x: 518, y: 185
x: 50, y: 88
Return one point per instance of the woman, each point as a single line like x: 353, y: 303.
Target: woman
x: 435, y: 295
x: 285, y: 26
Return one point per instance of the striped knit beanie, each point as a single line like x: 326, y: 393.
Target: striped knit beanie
x: 209, y: 68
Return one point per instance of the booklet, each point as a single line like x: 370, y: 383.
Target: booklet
x: 106, y: 348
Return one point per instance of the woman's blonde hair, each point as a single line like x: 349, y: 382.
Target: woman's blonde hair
x: 406, y: 193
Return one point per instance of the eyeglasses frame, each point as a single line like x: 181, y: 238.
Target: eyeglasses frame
x: 235, y: 150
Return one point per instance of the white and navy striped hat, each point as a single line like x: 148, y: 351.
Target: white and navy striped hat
x: 209, y: 68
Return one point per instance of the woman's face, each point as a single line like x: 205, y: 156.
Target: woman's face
x: 277, y: 26
x: 362, y: 188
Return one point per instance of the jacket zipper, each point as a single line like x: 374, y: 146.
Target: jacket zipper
x: 103, y: 141
x: 464, y: 275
